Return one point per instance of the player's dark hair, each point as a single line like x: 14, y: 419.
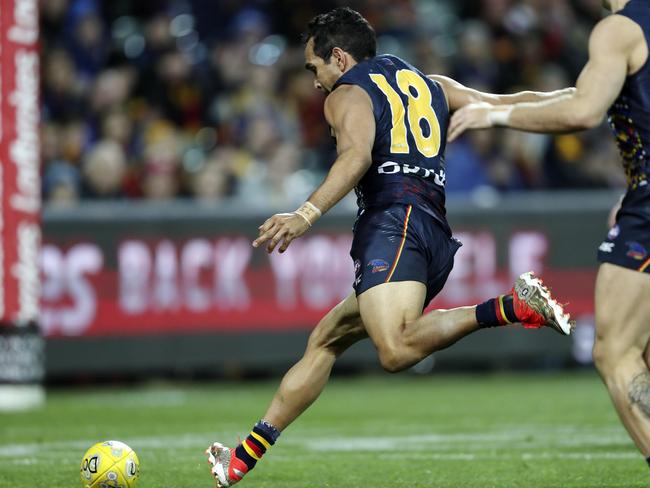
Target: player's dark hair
x: 343, y: 28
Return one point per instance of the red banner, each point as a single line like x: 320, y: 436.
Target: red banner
x: 20, y: 155
x: 154, y: 286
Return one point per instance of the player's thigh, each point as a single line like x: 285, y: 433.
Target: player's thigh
x: 622, y: 310
x: 340, y: 328
x: 386, y: 308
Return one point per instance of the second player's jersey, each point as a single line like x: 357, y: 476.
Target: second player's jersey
x: 629, y: 116
x: 411, y: 117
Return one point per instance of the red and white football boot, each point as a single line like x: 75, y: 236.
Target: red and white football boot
x: 535, y: 307
x: 227, y: 468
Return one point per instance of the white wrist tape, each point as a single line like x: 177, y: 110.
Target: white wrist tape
x: 500, y: 116
x: 310, y: 212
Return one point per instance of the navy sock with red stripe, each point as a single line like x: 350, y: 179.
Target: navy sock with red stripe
x: 496, y: 311
x: 261, y: 438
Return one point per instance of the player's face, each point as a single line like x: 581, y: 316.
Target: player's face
x: 325, y: 74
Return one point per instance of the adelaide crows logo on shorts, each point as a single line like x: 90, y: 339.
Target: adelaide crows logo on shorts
x: 636, y: 250
x: 378, y: 265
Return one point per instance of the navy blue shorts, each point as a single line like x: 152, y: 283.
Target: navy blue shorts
x: 628, y: 243
x: 401, y: 243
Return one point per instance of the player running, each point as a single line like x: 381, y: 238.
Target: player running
x: 390, y: 123
x: 616, y: 82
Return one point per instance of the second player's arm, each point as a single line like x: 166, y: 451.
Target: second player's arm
x: 459, y: 95
x: 598, y: 85
x: 348, y: 110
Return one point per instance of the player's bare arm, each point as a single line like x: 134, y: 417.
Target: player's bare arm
x: 348, y: 110
x: 459, y: 95
x: 613, y: 47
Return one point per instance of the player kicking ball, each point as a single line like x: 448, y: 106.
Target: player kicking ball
x: 390, y: 123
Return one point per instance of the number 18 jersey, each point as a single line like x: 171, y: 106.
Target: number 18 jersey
x: 411, y: 117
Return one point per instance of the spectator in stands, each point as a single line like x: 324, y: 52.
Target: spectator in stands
x: 104, y: 169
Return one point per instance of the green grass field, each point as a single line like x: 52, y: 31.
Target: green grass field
x: 454, y: 431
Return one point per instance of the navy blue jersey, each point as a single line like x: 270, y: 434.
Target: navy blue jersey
x: 411, y: 117
x: 628, y: 243
x: 629, y: 116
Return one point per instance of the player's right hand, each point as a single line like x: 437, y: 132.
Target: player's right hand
x: 283, y: 227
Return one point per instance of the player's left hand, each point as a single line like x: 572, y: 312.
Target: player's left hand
x: 471, y: 116
x: 283, y: 227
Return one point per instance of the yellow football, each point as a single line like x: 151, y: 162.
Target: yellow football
x: 110, y: 464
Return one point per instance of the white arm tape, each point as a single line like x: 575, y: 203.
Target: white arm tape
x: 500, y: 116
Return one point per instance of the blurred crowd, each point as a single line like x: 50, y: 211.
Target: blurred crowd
x: 203, y: 99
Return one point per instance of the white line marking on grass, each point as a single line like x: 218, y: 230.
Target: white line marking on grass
x: 46, y: 448
x: 153, y: 398
x: 525, y: 456
x: 531, y: 442
x: 25, y: 461
x: 137, y: 443
x: 477, y: 441
x: 586, y: 456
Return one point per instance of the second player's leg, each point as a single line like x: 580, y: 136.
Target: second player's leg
x: 304, y: 382
x: 392, y: 315
x: 622, y: 334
